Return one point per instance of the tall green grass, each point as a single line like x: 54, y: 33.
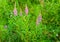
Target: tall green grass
x: 23, y: 28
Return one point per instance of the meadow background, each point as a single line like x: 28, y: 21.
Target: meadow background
x: 22, y: 26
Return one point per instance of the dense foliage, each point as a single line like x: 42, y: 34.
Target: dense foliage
x: 25, y: 25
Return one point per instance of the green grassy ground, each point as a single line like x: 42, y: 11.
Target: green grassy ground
x: 39, y: 23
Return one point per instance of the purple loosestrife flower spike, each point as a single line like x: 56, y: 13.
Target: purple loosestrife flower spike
x: 15, y: 10
x: 39, y: 19
x: 26, y: 10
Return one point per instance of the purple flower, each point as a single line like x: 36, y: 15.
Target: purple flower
x: 39, y: 19
x: 15, y: 11
x: 26, y: 10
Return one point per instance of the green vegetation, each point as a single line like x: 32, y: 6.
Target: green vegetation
x: 29, y: 20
